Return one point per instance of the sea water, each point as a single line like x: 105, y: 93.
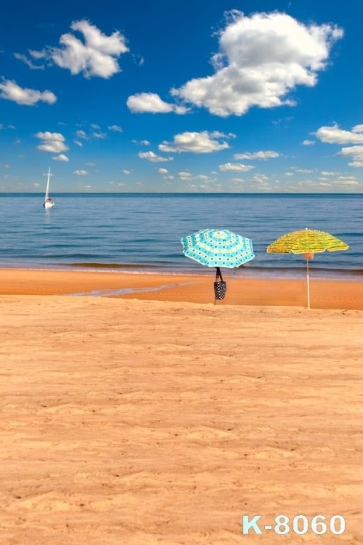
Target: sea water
x: 142, y: 232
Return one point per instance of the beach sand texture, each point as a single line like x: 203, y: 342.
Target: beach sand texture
x: 144, y: 422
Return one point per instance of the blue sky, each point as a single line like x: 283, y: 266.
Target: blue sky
x: 192, y: 96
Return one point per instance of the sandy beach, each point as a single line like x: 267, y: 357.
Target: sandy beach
x: 152, y: 416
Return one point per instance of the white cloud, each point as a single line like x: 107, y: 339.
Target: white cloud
x: 308, y: 142
x: 81, y: 134
x: 99, y: 135
x: 115, y: 128
x: 335, y: 135
x: 28, y: 62
x: 184, y: 175
x: 235, y: 167
x: 262, y: 58
x: 260, y: 178
x: 37, y: 54
x: 348, y: 182
x: 95, y: 56
x: 355, y: 153
x: 346, y: 179
x: 127, y: 172
x: 153, y: 158
x: 257, y: 155
x: 187, y: 176
x: 81, y: 173
x: 61, y: 157
x: 10, y: 90
x: 162, y: 171
x: 53, y: 142
x: 196, y: 142
x: 141, y: 142
x: 152, y: 103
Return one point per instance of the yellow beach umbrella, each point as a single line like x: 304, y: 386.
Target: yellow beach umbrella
x: 307, y: 242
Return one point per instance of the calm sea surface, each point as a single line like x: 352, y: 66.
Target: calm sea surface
x: 135, y: 232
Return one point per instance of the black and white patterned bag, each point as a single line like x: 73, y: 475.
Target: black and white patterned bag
x: 220, y: 286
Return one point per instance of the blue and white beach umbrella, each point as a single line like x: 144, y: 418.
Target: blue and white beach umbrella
x: 218, y: 248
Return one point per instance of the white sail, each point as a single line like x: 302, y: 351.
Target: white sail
x: 47, y: 190
x: 48, y: 203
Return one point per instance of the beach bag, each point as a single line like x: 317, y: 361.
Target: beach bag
x: 220, y: 286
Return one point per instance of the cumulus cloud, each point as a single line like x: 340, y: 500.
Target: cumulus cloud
x: 96, y: 55
x: 184, y: 175
x: 153, y: 158
x: 196, y: 142
x: 256, y: 155
x: 261, y: 59
x: 335, y: 135
x: 355, y: 153
x: 235, y: 167
x: 152, y: 103
x: 53, y: 142
x: 162, y: 171
x: 82, y: 173
x: 10, y: 90
x: 61, y: 157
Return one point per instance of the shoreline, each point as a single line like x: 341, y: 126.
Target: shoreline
x: 291, y: 272
x: 192, y: 288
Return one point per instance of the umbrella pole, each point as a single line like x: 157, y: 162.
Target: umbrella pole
x: 217, y: 271
x: 308, y: 282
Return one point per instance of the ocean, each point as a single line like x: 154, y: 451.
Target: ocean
x: 141, y: 232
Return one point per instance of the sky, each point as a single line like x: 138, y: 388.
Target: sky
x: 252, y: 96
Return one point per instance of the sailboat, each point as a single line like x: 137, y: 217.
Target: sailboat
x: 48, y: 202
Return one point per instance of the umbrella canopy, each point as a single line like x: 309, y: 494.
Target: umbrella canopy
x: 218, y: 248
x: 307, y: 242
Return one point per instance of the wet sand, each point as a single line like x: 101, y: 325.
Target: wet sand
x: 184, y: 288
